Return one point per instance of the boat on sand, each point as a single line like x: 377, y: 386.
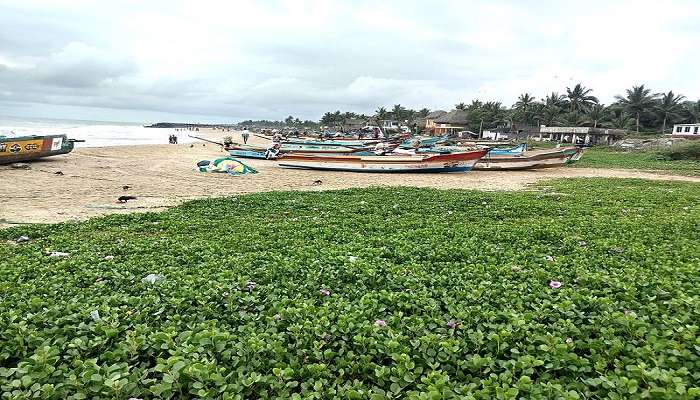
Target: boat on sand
x: 536, y: 159
x: 454, y: 162
x: 28, y: 148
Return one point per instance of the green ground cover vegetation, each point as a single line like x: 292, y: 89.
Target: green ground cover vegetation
x: 577, y: 289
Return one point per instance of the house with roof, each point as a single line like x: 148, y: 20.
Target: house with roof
x: 353, y: 124
x: 689, y: 131
x: 430, y: 120
x: 451, y: 122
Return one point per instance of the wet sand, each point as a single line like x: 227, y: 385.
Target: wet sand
x: 162, y: 176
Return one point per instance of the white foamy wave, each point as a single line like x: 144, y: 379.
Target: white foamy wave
x: 95, y: 134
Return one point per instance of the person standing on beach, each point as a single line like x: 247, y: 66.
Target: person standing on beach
x: 245, y: 136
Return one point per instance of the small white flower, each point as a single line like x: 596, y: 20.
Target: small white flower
x: 352, y: 258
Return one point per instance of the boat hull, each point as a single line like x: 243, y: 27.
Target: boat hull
x: 530, y: 160
x: 456, y: 162
x: 28, y: 148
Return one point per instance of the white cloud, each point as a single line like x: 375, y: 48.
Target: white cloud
x: 249, y: 59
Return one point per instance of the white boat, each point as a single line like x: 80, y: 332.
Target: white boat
x: 454, y: 162
x: 530, y: 159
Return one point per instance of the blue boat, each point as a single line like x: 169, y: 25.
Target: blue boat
x: 519, y: 149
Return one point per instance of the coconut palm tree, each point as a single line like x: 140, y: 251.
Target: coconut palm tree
x: 620, y: 120
x: 381, y: 113
x: 423, y: 112
x: 555, y: 100
x: 596, y: 114
x: 637, y: 101
x: 669, y: 107
x: 522, y: 108
x: 580, y: 99
x: 398, y: 112
x: 572, y: 118
x: 460, y: 106
x: 691, y: 111
x: 524, y: 102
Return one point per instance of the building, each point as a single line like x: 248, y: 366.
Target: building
x: 389, y: 124
x: 430, y: 120
x: 691, y: 131
x: 451, y: 122
x: 499, y: 134
x: 353, y: 124
x: 578, y: 134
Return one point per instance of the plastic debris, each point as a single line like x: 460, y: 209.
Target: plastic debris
x: 250, y: 286
x: 107, y: 258
x: 352, y: 258
x: 152, y: 278
x: 22, y: 239
x: 95, y: 315
x: 59, y: 254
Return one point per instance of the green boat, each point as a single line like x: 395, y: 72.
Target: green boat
x: 28, y: 148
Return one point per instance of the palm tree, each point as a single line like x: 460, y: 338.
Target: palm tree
x: 381, y: 113
x: 398, y: 112
x: 579, y: 98
x: 523, y: 107
x: 669, y: 107
x: 460, y: 106
x: 555, y: 100
x: 621, y: 120
x: 572, y: 118
x: 637, y: 101
x: 524, y: 102
x: 691, y: 111
x: 596, y: 114
x: 423, y: 112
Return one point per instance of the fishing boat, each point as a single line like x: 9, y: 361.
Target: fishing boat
x: 333, y: 142
x: 454, y: 162
x: 260, y: 152
x: 27, y: 148
x: 321, y: 148
x: 519, y: 149
x: 246, y: 151
x: 537, y: 159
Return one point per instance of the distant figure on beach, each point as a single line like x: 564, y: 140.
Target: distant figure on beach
x: 245, y: 135
x: 172, y: 139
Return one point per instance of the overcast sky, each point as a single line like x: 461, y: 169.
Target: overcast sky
x: 231, y: 60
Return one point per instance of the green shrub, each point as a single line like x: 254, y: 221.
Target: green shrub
x: 682, y: 151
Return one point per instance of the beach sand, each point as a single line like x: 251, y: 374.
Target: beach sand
x: 162, y: 176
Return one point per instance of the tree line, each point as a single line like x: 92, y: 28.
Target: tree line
x: 639, y: 109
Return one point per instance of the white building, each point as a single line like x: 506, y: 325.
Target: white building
x: 686, y: 130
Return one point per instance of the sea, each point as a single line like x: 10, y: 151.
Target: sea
x: 94, y: 133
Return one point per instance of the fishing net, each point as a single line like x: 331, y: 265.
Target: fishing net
x: 227, y: 165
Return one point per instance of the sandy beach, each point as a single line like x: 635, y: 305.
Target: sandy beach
x: 162, y: 176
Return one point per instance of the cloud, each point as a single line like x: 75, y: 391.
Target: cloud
x: 249, y: 59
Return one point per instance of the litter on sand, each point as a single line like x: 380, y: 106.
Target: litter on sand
x: 227, y: 165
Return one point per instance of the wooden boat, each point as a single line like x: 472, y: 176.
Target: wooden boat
x: 27, y: 148
x: 260, y: 152
x: 246, y: 151
x: 455, y: 162
x: 549, y: 158
x: 321, y: 148
x: 332, y: 142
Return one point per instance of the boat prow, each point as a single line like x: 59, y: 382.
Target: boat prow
x: 28, y: 148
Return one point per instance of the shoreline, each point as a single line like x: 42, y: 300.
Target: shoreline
x: 162, y: 176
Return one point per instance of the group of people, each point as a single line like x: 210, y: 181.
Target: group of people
x: 172, y: 139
